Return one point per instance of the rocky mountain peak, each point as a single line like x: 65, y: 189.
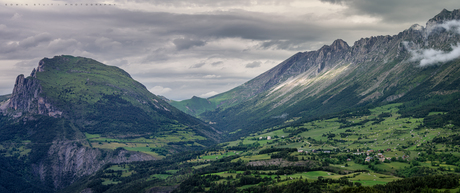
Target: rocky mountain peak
x: 416, y: 27
x: 445, y: 15
x: 41, y: 66
x: 26, y: 96
x: 339, y: 44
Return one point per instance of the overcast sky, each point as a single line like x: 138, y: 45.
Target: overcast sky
x: 185, y: 48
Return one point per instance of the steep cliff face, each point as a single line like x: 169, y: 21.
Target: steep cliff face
x: 68, y: 160
x: 27, y: 98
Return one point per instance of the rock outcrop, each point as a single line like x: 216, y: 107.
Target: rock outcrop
x: 26, y: 96
x: 68, y: 160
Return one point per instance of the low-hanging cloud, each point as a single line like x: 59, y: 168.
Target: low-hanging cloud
x: 453, y: 24
x: 431, y: 56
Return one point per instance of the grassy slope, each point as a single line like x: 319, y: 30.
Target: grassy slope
x: 106, y: 100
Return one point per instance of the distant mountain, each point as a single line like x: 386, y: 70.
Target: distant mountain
x: 194, y: 106
x: 340, y: 77
x: 74, y: 114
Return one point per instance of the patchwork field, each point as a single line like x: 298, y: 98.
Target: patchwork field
x: 146, y: 145
x: 382, y: 129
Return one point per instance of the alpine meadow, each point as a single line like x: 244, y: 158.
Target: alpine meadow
x: 381, y: 115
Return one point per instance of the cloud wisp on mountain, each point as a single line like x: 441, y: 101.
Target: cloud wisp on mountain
x: 431, y: 56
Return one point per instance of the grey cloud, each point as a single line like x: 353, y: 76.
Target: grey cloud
x: 182, y: 75
x: 253, y: 64
x: 134, y: 33
x: 158, y: 55
x: 211, y: 3
x: 35, y: 40
x: 211, y: 76
x: 118, y: 62
x: 27, y: 43
x: 198, y: 65
x: 334, y: 1
x: 275, y: 43
x: 217, y: 63
x: 186, y: 43
x: 6, y: 89
x: 157, y: 39
x: 285, y: 45
x: 396, y: 10
x: 29, y: 64
x: 187, y: 84
x: 63, y: 45
x: 235, y: 23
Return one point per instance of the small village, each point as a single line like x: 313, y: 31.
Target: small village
x: 370, y: 154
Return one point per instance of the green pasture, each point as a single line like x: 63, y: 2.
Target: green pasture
x: 142, y: 144
x: 370, y: 179
x: 201, y: 166
x: 108, y: 182
x: 312, y: 175
x: 160, y: 176
x: 351, y: 166
x: 393, y: 166
x: 254, y: 157
x: 15, y: 149
x: 218, y: 155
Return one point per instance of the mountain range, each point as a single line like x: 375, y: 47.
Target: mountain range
x: 339, y: 77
